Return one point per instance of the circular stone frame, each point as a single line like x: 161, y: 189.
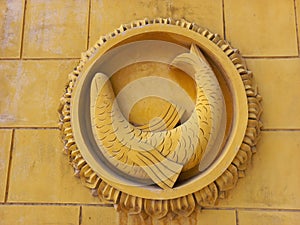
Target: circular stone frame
x: 204, y: 189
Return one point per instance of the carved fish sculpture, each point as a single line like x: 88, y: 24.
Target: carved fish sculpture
x: 158, y: 156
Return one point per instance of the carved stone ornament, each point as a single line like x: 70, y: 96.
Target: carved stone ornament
x: 160, y: 117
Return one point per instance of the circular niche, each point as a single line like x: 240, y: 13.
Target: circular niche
x: 159, y: 116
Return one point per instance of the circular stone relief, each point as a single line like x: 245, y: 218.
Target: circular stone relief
x: 159, y: 116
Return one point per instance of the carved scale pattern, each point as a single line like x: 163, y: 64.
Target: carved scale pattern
x: 186, y: 205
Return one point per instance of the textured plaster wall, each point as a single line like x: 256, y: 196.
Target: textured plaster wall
x: 41, y: 42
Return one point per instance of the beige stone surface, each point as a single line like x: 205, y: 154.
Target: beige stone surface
x: 95, y: 215
x: 216, y: 217
x: 55, y: 29
x: 205, y: 13
x: 5, y: 140
x: 261, y: 28
x: 297, y: 6
x: 272, y: 181
x: 11, y: 17
x: 207, y: 217
x: 30, y: 91
x: 38, y: 215
x: 278, y: 81
x: 268, y: 217
x: 40, y: 171
x: 104, y: 18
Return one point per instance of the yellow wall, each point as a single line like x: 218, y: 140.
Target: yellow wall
x: 40, y: 43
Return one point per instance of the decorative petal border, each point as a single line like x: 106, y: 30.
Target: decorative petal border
x: 184, y: 206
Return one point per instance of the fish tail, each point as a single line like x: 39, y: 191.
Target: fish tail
x: 163, y: 171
